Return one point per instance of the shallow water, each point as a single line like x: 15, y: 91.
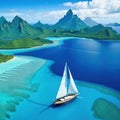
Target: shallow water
x: 15, y: 82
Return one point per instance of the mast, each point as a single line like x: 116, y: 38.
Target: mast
x: 72, y: 87
x: 63, y: 86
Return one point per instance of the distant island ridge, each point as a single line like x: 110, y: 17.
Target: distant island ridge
x: 20, y: 34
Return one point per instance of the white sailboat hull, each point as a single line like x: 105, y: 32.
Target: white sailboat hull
x: 65, y: 99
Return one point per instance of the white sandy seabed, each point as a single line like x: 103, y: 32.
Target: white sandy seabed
x: 16, y: 81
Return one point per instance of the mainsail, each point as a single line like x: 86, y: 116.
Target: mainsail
x: 64, y: 89
x: 63, y: 86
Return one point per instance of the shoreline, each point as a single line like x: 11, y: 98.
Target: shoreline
x: 12, y: 59
x: 56, y: 41
x: 14, y: 51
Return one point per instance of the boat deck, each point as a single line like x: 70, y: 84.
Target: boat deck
x: 65, y: 99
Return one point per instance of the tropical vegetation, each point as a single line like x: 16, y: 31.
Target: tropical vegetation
x: 4, y: 58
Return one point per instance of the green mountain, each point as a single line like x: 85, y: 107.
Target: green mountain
x: 99, y: 32
x: 2, y: 20
x: 69, y: 25
x: 39, y: 25
x: 88, y: 21
x: 5, y: 26
x: 107, y: 33
x: 16, y: 29
x: 21, y: 26
x: 94, y: 29
x: 70, y: 22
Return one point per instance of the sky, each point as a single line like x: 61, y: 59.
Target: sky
x: 50, y: 11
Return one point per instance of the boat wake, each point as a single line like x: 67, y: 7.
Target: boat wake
x: 37, y: 103
x: 47, y: 106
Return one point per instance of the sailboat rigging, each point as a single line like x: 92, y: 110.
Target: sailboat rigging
x: 67, y: 90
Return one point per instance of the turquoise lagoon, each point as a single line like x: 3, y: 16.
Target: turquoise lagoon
x: 80, y: 108
x: 37, y: 106
x: 16, y: 82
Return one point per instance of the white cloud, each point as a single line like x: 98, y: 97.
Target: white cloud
x: 77, y: 5
x: 51, y: 17
x: 10, y: 14
x: 110, y: 5
x: 103, y: 11
x: 33, y: 16
x: 100, y: 10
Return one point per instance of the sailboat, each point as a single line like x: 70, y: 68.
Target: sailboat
x: 67, y: 90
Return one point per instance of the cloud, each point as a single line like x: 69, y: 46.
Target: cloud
x: 109, y: 5
x: 10, y: 14
x: 106, y: 4
x: 32, y: 16
x: 77, y: 5
x: 50, y: 17
x: 101, y: 10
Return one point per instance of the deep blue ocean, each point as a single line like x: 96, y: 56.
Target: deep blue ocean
x: 96, y: 61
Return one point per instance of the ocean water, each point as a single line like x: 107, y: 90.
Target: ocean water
x: 37, y: 106
x: 89, y: 61
x: 95, y: 61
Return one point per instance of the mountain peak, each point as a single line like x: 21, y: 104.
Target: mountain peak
x: 69, y: 12
x: 100, y: 25
x: 17, y: 19
x: 90, y: 22
x: 39, y: 22
x: 2, y: 20
x: 87, y: 18
x: 71, y: 22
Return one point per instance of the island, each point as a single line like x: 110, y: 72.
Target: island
x: 20, y: 34
x: 24, y: 43
x: 4, y: 58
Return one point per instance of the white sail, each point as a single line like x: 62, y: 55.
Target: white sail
x: 72, y: 87
x: 63, y: 86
